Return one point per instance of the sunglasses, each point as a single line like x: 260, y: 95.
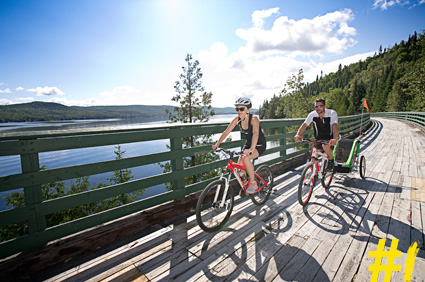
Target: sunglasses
x: 319, y: 106
x: 240, y: 109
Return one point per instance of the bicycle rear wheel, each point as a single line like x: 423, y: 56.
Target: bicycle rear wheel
x: 261, y: 196
x: 307, y: 182
x: 362, y: 167
x: 212, y: 209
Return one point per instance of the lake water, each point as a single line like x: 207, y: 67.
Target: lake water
x: 10, y: 165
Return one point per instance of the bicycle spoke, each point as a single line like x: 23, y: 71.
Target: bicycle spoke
x: 264, y: 178
x: 214, y: 207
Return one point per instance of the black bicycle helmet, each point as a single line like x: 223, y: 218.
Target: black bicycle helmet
x: 244, y: 102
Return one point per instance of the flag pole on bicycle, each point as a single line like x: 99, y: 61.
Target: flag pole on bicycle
x: 361, y: 119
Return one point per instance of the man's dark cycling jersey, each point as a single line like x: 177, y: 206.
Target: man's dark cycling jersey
x: 322, y: 126
x: 261, y: 143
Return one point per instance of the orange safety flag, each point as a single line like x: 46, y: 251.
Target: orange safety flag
x: 365, y: 104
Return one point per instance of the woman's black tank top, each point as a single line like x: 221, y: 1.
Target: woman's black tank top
x: 248, y: 133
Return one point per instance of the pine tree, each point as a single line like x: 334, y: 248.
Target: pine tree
x: 195, y: 106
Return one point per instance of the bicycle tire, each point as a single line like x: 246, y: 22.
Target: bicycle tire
x: 327, y: 177
x: 362, y: 167
x: 261, y: 196
x: 306, y: 184
x: 209, y: 215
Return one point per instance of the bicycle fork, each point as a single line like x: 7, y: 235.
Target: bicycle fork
x: 226, y: 189
x: 317, y: 170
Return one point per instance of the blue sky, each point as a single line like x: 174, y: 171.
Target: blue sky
x: 107, y: 52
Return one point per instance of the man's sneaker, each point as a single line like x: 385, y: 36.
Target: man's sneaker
x: 330, y: 165
x: 252, y: 186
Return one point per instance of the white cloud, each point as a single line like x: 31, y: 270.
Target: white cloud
x: 46, y: 91
x: 259, y: 16
x: 5, y: 102
x: 385, y: 4
x: 129, y: 95
x: 323, y: 34
x: 260, y: 73
x: 315, y: 69
x: 121, y: 95
x: 25, y: 99
x: 19, y: 88
x: 257, y: 79
x: 7, y: 90
x: 73, y: 102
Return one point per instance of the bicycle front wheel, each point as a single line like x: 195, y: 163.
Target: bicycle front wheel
x: 264, y: 178
x: 307, y: 182
x: 327, y: 177
x: 214, y: 208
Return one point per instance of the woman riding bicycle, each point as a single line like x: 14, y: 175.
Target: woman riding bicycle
x: 255, y: 145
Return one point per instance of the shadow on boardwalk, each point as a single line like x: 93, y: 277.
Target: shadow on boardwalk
x: 354, y: 214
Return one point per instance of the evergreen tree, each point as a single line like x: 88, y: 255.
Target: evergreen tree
x: 195, y: 106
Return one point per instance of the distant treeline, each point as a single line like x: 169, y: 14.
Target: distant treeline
x: 44, y: 111
x: 392, y: 80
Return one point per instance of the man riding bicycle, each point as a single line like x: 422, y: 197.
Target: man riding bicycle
x: 325, y: 122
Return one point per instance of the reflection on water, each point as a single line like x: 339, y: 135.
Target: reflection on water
x: 41, y: 127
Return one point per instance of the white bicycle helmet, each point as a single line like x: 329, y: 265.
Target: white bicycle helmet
x: 243, y: 102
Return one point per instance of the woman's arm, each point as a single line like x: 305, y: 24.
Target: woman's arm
x: 224, y: 135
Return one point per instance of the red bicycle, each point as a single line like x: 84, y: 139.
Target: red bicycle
x: 313, y: 171
x: 215, y: 204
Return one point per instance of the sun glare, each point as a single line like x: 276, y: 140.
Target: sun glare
x: 171, y: 5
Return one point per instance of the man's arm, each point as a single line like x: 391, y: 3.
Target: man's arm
x: 300, y: 131
x: 335, y: 134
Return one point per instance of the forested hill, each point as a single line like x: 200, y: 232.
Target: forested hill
x: 392, y: 80
x: 43, y: 111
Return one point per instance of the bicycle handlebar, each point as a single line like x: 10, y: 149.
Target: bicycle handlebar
x: 229, y: 152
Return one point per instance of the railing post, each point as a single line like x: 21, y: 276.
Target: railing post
x: 33, y: 194
x: 177, y: 164
x: 282, y: 142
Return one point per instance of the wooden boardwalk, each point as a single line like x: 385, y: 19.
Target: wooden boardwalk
x: 329, y: 240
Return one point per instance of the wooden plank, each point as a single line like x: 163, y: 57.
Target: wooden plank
x: 356, y: 211
x: 360, y: 236
x: 379, y: 231
x: 313, y: 267
x: 119, y: 258
x: 271, y: 229
x: 416, y: 234
x: 418, y: 189
x: 290, y: 258
x: 338, y: 252
x: 400, y: 229
x: 130, y: 273
x: 214, y: 252
x: 276, y: 236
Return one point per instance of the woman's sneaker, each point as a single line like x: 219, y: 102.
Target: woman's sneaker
x: 252, y: 186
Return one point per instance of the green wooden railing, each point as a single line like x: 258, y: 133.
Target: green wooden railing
x: 417, y: 118
x: 30, y: 145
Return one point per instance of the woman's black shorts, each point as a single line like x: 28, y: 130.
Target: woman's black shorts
x: 260, y: 148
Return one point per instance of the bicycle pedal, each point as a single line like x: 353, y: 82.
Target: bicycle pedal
x: 242, y: 193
